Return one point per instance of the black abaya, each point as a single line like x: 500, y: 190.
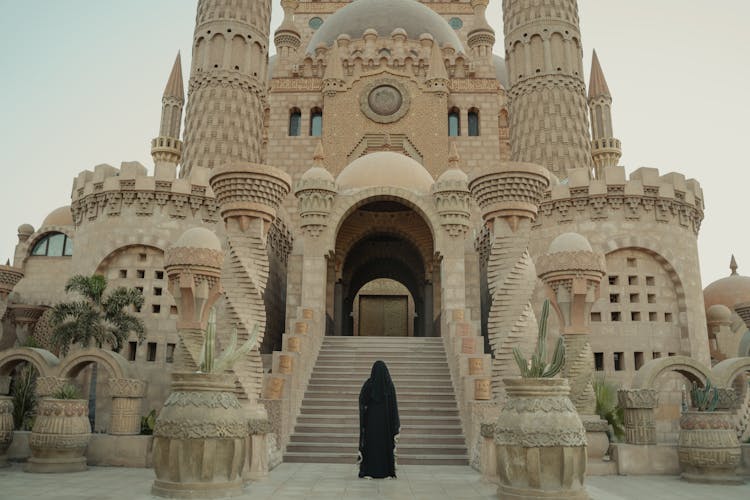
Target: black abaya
x: 378, y: 424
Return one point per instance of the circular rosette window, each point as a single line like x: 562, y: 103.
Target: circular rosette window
x: 385, y: 101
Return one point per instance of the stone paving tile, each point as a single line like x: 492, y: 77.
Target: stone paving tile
x: 339, y: 482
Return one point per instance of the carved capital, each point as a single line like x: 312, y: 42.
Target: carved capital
x: 127, y: 388
x: 638, y: 398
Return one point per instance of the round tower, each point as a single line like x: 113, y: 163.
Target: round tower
x: 224, y: 119
x: 549, y: 118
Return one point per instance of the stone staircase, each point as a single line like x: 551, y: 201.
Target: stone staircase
x: 327, y: 429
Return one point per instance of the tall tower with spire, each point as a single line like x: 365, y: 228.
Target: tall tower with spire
x: 224, y: 120
x: 605, y: 148
x: 166, y: 149
x: 549, y: 120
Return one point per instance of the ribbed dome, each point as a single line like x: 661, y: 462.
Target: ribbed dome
x: 384, y: 16
x: 385, y: 168
x: 569, y: 242
x: 317, y: 174
x: 727, y: 291
x: 198, y: 237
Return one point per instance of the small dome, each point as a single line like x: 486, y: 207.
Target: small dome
x: 317, y: 174
x: 719, y: 313
x: 25, y: 229
x: 727, y: 291
x: 385, y: 16
x: 453, y: 175
x: 199, y: 237
x: 59, y: 217
x: 501, y: 70
x: 385, y: 168
x: 569, y: 242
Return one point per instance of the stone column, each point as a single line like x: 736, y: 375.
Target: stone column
x: 509, y: 196
x: 428, y: 310
x: 640, y: 424
x: 193, y: 267
x: 9, y: 277
x: 127, y: 398
x: 338, y: 307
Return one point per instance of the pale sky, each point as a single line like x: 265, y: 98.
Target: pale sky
x: 82, y: 82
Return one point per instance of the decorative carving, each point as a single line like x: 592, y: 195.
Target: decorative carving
x: 385, y: 100
x: 60, y: 435
x: 708, y: 449
x: 6, y: 427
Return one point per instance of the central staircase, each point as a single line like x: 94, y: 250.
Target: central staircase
x: 327, y: 429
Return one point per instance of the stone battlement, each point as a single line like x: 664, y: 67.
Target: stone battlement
x: 109, y: 191
x: 645, y: 195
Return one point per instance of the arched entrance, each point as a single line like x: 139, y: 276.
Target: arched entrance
x: 383, y: 240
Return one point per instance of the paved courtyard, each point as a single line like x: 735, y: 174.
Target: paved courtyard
x: 339, y: 482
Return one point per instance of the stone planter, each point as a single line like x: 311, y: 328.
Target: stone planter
x: 200, y: 438
x: 6, y: 428
x: 540, y: 442
x: 60, y: 435
x: 708, y: 449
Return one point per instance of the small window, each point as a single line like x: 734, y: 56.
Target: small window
x: 671, y: 354
x: 635, y: 316
x: 614, y: 298
x: 151, y: 352
x: 599, y: 361
x: 315, y: 23
x: 650, y: 281
x: 652, y: 316
x: 473, y: 122
x: 668, y: 317
x: 141, y: 273
x: 632, y: 280
x: 140, y: 289
x: 295, y: 122
x: 157, y: 291
x: 456, y: 23
x: 614, y: 280
x: 656, y: 355
x: 159, y: 275
x: 53, y: 245
x: 651, y: 297
x: 634, y: 298
x: 596, y: 317
x: 123, y: 273
x: 316, y: 122
x: 169, y: 358
x: 132, y: 350
x: 638, y: 359
x: 454, y: 123
x: 631, y: 262
x: 615, y: 315
x: 142, y: 257
x: 173, y: 310
x: 619, y: 361
x: 155, y: 308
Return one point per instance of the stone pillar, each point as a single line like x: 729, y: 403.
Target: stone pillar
x: 127, y: 398
x: 9, y: 277
x: 428, y: 310
x: 509, y: 196
x: 338, y: 307
x: 257, y: 452
x: 640, y: 424
x: 488, y: 458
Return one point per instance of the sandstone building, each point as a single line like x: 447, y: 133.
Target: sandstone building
x: 380, y: 118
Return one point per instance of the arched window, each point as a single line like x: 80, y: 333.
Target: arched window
x: 316, y: 122
x: 295, y: 122
x: 53, y: 245
x: 473, y: 122
x: 454, y: 122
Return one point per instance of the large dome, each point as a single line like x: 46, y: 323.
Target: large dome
x: 385, y: 168
x: 384, y: 16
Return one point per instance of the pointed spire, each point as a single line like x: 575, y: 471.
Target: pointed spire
x: 7, y: 262
x: 453, y: 157
x: 597, y: 84
x: 319, y: 156
x: 733, y: 266
x: 174, y: 84
x: 437, y: 69
x: 334, y: 69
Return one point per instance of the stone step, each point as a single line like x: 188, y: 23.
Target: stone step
x: 353, y: 410
x: 354, y: 419
x: 348, y: 361
x: 406, y: 429
x: 403, y: 402
x: 351, y: 448
x: 334, y: 458
x: 321, y: 437
x: 433, y: 395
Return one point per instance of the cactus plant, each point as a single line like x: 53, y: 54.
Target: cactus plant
x: 705, y: 398
x: 537, y: 366
x: 209, y: 363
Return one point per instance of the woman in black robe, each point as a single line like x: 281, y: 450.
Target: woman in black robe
x: 379, y: 425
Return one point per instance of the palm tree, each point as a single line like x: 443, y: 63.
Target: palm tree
x: 96, y: 318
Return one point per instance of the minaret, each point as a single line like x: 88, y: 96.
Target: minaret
x: 481, y: 39
x: 287, y: 37
x: 167, y: 148
x: 549, y: 120
x: 605, y: 148
x: 224, y: 121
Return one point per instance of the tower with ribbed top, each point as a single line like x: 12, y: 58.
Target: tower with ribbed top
x: 227, y: 90
x: 166, y: 149
x: 548, y: 108
x: 605, y: 148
